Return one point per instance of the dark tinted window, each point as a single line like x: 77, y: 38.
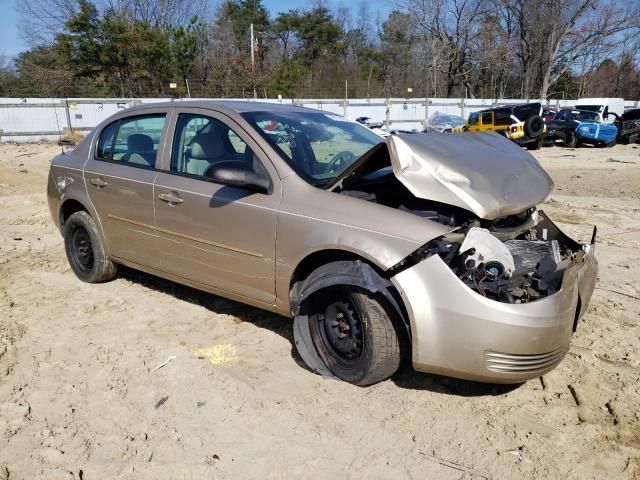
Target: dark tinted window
x: 502, y: 116
x: 473, y: 118
x: 522, y: 112
x: 487, y: 118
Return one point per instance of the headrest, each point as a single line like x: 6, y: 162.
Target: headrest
x: 207, y: 146
x: 138, y: 142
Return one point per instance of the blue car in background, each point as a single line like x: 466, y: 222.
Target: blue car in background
x: 576, y: 127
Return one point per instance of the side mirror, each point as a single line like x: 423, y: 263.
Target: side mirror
x: 237, y: 174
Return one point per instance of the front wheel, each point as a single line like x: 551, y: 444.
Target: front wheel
x: 537, y: 145
x: 570, y: 139
x: 354, y: 334
x: 85, y: 252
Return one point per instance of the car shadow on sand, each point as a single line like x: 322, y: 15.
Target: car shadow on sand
x: 406, y: 377
x: 412, y: 380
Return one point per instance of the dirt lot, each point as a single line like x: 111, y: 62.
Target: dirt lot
x: 79, y: 399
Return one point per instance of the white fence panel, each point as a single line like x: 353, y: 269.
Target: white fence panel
x: 34, y: 119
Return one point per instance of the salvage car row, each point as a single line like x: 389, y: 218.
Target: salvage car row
x: 600, y: 122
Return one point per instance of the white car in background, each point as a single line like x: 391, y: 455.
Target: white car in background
x: 443, y: 123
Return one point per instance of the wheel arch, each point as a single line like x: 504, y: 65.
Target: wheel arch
x: 68, y: 208
x: 351, y: 270
x: 71, y: 205
x: 318, y: 258
x: 323, y: 268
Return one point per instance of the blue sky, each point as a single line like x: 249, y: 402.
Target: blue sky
x: 11, y: 43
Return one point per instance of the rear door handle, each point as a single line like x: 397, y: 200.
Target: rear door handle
x: 98, y: 182
x: 170, y: 198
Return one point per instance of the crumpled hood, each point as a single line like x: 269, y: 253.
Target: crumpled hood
x: 482, y: 172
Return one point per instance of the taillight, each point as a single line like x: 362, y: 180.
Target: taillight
x: 514, y: 129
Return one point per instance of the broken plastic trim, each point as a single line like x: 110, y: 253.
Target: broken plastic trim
x: 437, y: 246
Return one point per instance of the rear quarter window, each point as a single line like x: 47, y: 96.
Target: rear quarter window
x: 522, y: 112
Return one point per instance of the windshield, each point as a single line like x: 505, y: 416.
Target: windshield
x: 585, y: 116
x: 591, y: 108
x: 442, y: 119
x: 318, y: 146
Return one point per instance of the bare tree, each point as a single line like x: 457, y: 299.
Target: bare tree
x: 158, y: 13
x: 455, y: 24
x: 40, y: 20
x: 554, y: 35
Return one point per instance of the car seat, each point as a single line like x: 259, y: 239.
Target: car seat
x: 140, y: 150
x: 206, y: 149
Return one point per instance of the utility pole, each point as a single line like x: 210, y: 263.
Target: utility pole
x: 253, y: 66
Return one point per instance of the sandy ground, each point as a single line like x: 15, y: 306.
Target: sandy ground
x: 79, y: 399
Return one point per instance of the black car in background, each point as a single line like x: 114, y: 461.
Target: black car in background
x: 575, y: 127
x: 629, y: 126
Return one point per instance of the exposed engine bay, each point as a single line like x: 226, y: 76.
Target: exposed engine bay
x: 519, y: 258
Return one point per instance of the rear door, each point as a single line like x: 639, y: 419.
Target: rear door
x: 487, y: 120
x: 560, y: 124
x: 220, y: 236
x: 119, y: 177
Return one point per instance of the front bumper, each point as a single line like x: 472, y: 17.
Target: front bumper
x: 459, y: 333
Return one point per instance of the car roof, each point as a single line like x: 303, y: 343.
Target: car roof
x: 508, y: 105
x: 577, y: 110
x: 237, y: 106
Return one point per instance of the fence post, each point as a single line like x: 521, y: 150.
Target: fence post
x: 426, y: 112
x: 387, y: 120
x: 462, y: 105
x: 346, y: 96
x: 66, y: 109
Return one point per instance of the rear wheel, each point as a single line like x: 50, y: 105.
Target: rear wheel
x: 570, y: 139
x: 85, y: 252
x: 354, y: 334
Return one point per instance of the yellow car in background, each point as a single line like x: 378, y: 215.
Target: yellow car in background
x: 522, y: 123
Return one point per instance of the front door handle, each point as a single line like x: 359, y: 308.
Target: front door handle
x: 170, y: 198
x: 98, y: 182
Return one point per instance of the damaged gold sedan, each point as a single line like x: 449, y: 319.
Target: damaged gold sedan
x: 428, y: 247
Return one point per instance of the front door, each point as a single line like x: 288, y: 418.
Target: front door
x: 119, y: 176
x: 560, y: 123
x: 217, y: 235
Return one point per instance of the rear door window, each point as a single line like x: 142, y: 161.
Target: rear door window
x: 503, y: 116
x: 132, y: 140
x: 487, y: 118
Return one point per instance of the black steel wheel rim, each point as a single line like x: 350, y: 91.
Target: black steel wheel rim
x: 341, y: 331
x: 81, y: 250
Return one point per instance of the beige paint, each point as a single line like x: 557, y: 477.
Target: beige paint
x: 246, y: 246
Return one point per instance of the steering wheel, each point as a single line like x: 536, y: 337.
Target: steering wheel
x: 345, y: 155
